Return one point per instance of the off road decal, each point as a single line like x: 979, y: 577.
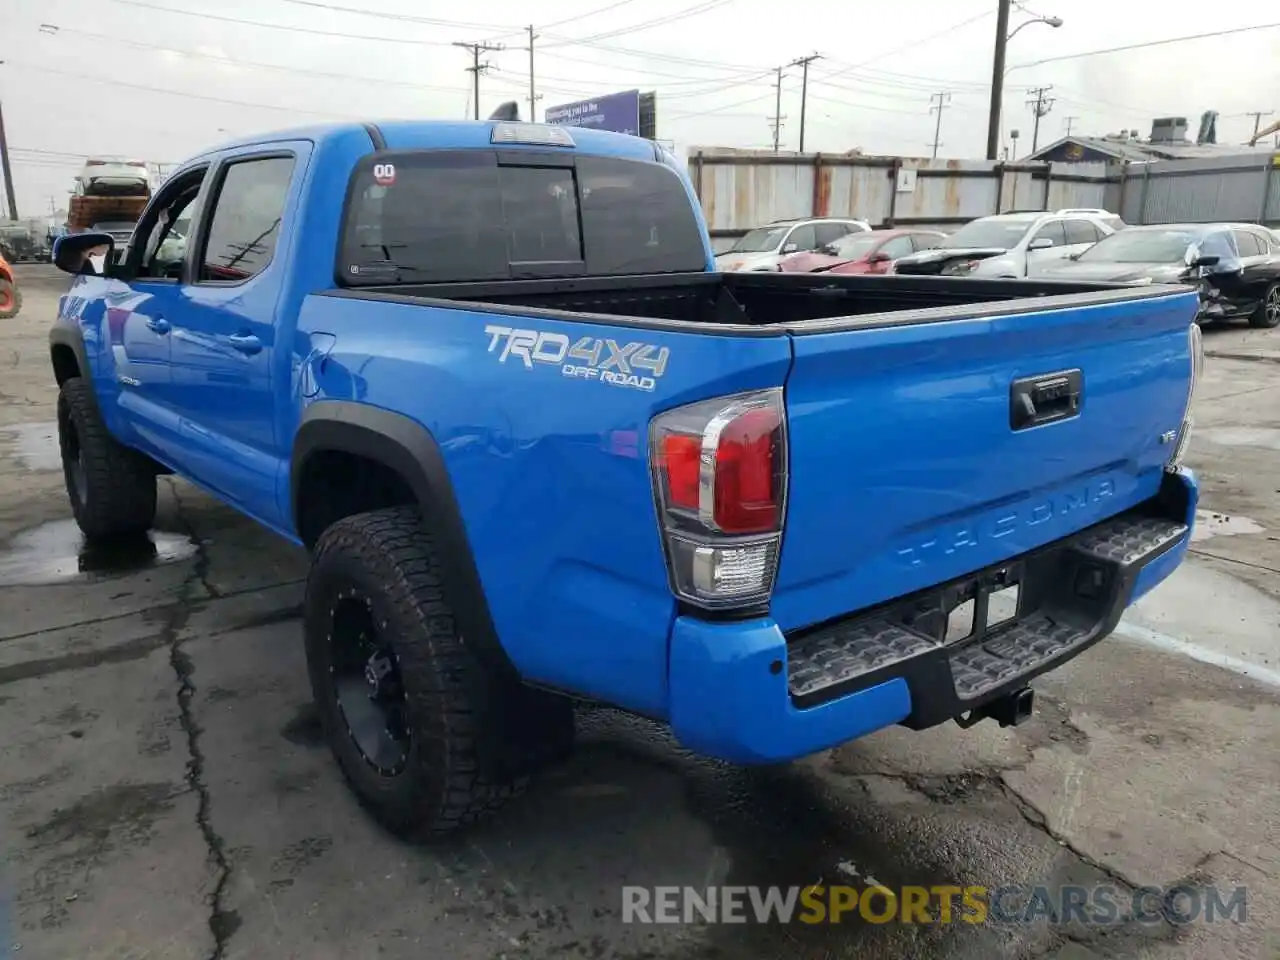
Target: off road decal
x: 631, y: 364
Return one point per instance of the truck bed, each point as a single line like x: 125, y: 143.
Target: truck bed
x: 743, y: 299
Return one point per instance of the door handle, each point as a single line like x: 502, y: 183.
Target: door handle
x: 158, y: 325
x: 245, y: 342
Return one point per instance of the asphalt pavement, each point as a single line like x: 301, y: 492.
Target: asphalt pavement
x: 164, y: 790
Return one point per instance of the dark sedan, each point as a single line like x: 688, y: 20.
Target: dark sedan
x: 1235, y: 265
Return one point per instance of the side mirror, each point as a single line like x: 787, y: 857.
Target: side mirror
x: 1209, y: 260
x: 789, y: 248
x: 84, y: 254
x: 1040, y: 243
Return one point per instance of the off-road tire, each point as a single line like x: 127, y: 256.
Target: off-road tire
x: 1267, y: 315
x: 112, y: 489
x: 10, y: 299
x: 389, y: 559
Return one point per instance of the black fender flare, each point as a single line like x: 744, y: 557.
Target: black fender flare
x: 63, y: 335
x: 408, y: 448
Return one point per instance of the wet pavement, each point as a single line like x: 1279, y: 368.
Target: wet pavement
x: 165, y: 791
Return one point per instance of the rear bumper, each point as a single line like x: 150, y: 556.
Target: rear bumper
x: 747, y: 693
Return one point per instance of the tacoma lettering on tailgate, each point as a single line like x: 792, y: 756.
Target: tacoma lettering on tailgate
x: 1002, y: 522
x: 632, y: 364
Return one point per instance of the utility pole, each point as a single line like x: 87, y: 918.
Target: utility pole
x: 1040, y: 105
x: 804, y: 88
x: 1070, y: 121
x: 533, y: 96
x: 777, y: 110
x: 8, y: 171
x: 997, y: 78
x: 943, y: 99
x: 1257, y: 120
x: 477, y: 68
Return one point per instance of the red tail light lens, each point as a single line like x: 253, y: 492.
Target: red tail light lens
x: 720, y: 475
x: 681, y: 462
x: 747, y: 478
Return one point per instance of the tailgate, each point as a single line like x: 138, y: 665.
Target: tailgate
x: 922, y: 452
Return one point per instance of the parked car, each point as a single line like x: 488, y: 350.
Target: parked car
x: 872, y: 252
x: 113, y: 178
x: 1112, y: 220
x: 1009, y: 245
x: 10, y: 295
x: 1235, y: 266
x: 539, y: 448
x: 764, y: 247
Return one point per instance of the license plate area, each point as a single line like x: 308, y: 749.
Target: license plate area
x: 971, y: 609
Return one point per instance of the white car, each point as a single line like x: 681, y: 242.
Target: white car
x: 102, y: 177
x: 1011, y: 245
x: 764, y: 247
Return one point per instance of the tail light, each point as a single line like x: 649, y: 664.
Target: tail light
x: 95, y: 163
x: 720, y: 479
x: 1195, y: 345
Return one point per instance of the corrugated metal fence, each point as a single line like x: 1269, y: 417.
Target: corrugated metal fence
x: 744, y: 189
x: 741, y: 189
x: 1244, y: 187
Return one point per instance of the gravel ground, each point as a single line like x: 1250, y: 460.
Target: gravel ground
x: 164, y: 791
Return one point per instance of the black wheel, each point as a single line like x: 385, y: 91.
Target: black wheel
x: 399, y: 693
x: 112, y: 488
x: 1268, y: 313
x: 10, y: 300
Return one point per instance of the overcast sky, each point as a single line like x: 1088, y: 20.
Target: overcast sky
x: 125, y: 76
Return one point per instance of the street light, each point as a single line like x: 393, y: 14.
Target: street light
x: 1003, y: 36
x: 1054, y: 22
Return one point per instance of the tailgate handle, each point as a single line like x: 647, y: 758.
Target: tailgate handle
x: 1043, y: 399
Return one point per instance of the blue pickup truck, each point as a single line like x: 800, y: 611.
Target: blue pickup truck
x: 540, y: 452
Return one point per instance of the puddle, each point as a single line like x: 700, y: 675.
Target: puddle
x: 35, y: 445
x: 56, y: 552
x: 1242, y: 436
x: 1210, y: 524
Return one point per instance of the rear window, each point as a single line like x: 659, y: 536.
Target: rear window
x: 456, y: 216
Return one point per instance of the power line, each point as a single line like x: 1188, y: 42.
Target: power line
x: 704, y: 7
x: 1040, y: 105
x: 1141, y: 46
x: 403, y: 17
x: 944, y: 99
x: 907, y: 46
x: 176, y: 93
x: 235, y: 61
x: 477, y: 68
x: 340, y: 34
x: 589, y: 13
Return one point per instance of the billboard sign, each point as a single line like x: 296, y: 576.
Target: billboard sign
x: 619, y: 112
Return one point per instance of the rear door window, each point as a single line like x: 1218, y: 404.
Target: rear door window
x: 451, y: 216
x: 246, y: 220
x: 1053, y: 231
x: 804, y: 238
x: 1080, y: 231
x: 827, y: 233
x: 1247, y: 243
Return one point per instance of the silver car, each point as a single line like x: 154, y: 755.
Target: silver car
x: 764, y: 247
x: 113, y: 178
x: 1011, y: 245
